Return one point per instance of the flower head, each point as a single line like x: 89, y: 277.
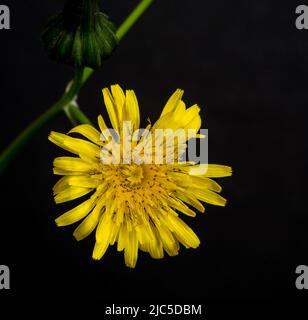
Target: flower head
x: 134, y: 201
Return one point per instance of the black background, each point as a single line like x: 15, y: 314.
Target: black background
x: 246, y: 65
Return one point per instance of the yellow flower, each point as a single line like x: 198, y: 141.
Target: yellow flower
x: 133, y: 204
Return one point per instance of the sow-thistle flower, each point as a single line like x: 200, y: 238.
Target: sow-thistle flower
x: 134, y: 203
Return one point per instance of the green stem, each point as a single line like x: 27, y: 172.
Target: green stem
x: 81, y: 77
x: 76, y: 116
x: 16, y: 146
x: 132, y: 18
x: 86, y: 74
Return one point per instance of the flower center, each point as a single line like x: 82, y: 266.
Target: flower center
x: 133, y: 173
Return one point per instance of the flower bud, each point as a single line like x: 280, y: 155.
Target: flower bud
x: 81, y: 35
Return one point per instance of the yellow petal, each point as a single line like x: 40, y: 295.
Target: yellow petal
x: 62, y: 172
x: 58, y: 139
x: 72, y: 164
x: 71, y: 193
x: 60, y: 185
x: 184, y: 116
x: 119, y: 99
x: 88, y: 224
x: 76, y: 213
x: 80, y: 146
x: 210, y: 197
x: 123, y: 237
x: 183, y: 232
x: 89, y: 132
x: 102, y: 235
x: 179, y: 205
x: 131, y: 250
x: 114, y: 233
x: 191, y: 200
x: 189, y: 119
x: 155, y: 245
x: 170, y: 244
x: 181, y: 107
x: 83, y: 181
x: 201, y: 182
x: 111, y: 109
x: 102, y: 125
x: 104, y: 227
x: 132, y: 109
x: 100, y: 249
x: 172, y: 102
x: 191, y: 113
x: 218, y: 171
x: 194, y: 124
x: 76, y: 181
x: 167, y: 121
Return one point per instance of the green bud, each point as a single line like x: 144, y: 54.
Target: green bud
x: 81, y: 35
